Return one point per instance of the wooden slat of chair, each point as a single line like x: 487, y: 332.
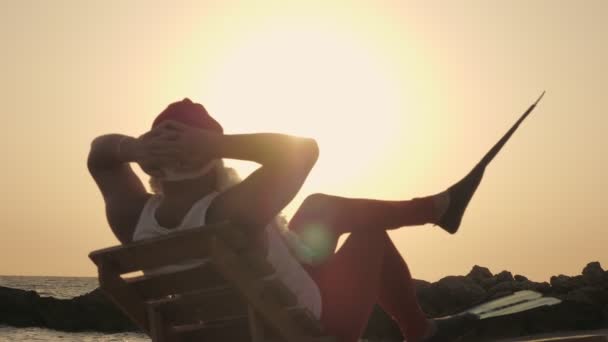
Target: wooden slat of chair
x: 221, y: 303
x: 200, y: 277
x: 232, y: 329
x: 223, y: 308
x: 256, y: 263
x: 161, y: 285
x: 272, y: 289
x: 270, y: 285
x: 303, y: 317
x: 224, y: 330
x: 205, y: 305
x: 232, y: 268
x: 152, y: 253
x: 270, y: 300
x: 114, y: 261
x: 124, y: 297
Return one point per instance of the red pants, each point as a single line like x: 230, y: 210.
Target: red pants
x: 367, y: 269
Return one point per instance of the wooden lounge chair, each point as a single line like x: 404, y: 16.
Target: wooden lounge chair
x: 234, y: 296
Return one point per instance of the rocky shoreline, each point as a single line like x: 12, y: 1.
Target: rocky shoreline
x: 584, y: 306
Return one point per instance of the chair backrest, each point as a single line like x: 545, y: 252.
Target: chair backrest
x: 230, y: 294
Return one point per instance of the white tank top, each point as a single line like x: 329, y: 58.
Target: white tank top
x: 287, y: 268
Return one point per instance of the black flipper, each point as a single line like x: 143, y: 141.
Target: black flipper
x: 494, y: 151
x: 462, y: 192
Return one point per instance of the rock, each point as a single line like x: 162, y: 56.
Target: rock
x: 590, y: 295
x: 498, y: 294
x: 450, y: 295
x: 479, y: 273
x: 584, y: 306
x: 17, y: 308
x: 92, y: 311
x: 502, y: 289
x: 560, y: 283
x: 418, y: 284
x: 494, y: 328
x: 565, y: 316
x: 544, y: 287
x: 579, y: 296
x: 518, y: 277
x: 504, y: 276
x: 507, y: 288
x: 488, y: 283
x: 565, y: 284
x: 593, y: 274
x: 561, y: 317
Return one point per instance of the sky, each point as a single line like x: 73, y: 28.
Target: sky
x: 403, y: 98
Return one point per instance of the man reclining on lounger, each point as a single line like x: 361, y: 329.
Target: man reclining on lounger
x: 182, y: 153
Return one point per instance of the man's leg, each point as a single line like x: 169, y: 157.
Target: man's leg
x: 349, y: 282
x: 397, y: 294
x: 352, y: 279
x: 321, y: 219
x: 327, y: 215
x: 352, y: 214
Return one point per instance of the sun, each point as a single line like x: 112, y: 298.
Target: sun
x: 313, y: 83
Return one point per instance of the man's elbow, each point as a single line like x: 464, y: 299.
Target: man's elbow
x: 95, y: 158
x: 92, y: 158
x: 308, y: 152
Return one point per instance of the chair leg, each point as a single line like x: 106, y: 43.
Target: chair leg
x: 256, y: 326
x: 124, y: 297
x: 158, y: 331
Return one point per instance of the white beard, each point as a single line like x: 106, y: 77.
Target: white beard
x: 172, y: 175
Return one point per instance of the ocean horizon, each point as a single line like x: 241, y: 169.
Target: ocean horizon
x: 61, y: 288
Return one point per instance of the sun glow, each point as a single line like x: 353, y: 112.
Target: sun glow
x: 318, y: 84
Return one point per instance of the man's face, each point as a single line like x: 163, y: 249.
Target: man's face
x: 173, y: 174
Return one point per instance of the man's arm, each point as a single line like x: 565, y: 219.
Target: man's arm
x: 123, y: 192
x: 285, y: 164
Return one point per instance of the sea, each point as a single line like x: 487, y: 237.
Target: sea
x: 64, y: 288
x: 58, y: 287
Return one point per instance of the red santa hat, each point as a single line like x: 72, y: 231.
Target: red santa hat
x: 189, y: 113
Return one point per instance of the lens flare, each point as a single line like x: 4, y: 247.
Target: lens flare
x: 319, y: 239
